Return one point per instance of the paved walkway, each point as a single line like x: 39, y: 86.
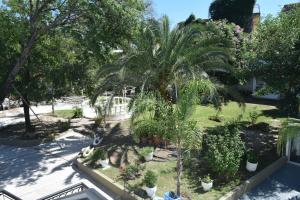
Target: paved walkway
x: 34, y: 172
x: 284, y: 184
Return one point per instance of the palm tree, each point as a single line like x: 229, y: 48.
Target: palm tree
x: 163, y: 59
x: 290, y: 130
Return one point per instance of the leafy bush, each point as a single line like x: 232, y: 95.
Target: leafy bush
x: 251, y: 156
x: 253, y: 116
x: 225, y: 149
x: 133, y: 171
x: 98, y: 154
x: 150, y: 179
x: 145, y: 151
x: 146, y: 128
x: 77, y: 113
x: 206, y: 179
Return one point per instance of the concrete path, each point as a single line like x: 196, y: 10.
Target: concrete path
x: 15, y: 115
x: 284, y: 184
x: 34, y: 172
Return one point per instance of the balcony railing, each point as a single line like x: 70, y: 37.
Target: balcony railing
x: 66, y: 192
x: 4, y: 195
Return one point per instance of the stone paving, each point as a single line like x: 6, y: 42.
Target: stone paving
x: 34, y: 172
x: 284, y: 184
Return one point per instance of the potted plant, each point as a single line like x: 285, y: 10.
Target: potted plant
x: 150, y: 180
x: 147, y: 153
x: 252, y: 161
x: 100, y: 157
x: 206, y: 183
x: 171, y: 196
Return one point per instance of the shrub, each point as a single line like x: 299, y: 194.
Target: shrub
x: 251, y: 156
x: 253, y: 116
x: 77, y: 113
x: 98, y: 154
x: 206, y: 179
x: 146, y: 128
x: 150, y: 179
x: 145, y: 151
x: 133, y: 171
x: 225, y: 150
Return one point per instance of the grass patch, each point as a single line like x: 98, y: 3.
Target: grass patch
x: 232, y: 110
x: 167, y: 181
x: 67, y: 114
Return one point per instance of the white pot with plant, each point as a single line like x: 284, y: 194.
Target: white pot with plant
x: 100, y: 157
x: 150, y: 180
x: 206, y: 183
x: 252, y: 161
x: 147, y: 153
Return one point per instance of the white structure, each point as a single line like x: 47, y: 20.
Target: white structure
x: 293, y: 150
x: 254, y: 85
x: 115, y: 108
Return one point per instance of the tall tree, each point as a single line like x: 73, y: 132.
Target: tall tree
x: 236, y: 11
x: 276, y: 58
x: 40, y: 17
x: 58, y: 42
x: 158, y: 56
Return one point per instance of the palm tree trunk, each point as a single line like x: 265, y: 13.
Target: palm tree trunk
x: 178, y: 167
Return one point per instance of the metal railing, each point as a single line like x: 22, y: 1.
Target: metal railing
x: 66, y: 192
x: 4, y: 195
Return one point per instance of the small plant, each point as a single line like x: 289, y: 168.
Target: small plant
x: 145, y: 151
x: 150, y: 179
x: 251, y: 156
x: 253, y: 116
x: 206, y: 179
x: 99, y: 154
x: 77, y: 113
x: 133, y: 171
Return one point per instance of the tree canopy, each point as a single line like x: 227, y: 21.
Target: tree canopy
x: 275, y: 55
x: 236, y: 11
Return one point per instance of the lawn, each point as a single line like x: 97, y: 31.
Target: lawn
x: 190, y: 187
x: 231, y: 111
x: 67, y: 114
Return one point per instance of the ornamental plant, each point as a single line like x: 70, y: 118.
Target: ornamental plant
x: 225, y: 149
x: 145, y: 151
x: 150, y: 179
x: 98, y: 154
x: 206, y: 179
x: 253, y: 116
x: 251, y: 156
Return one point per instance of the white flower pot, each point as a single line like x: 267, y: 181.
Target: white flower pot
x: 206, y: 186
x: 104, y: 163
x: 151, y: 191
x: 149, y: 157
x: 251, y: 167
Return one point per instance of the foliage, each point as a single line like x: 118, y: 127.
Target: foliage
x: 236, y: 11
x: 77, y: 113
x: 146, y: 128
x: 64, y: 126
x: 225, y: 149
x: 253, y: 116
x: 290, y: 129
x: 251, y: 156
x: 169, y: 58
x: 274, y: 55
x: 98, y: 154
x: 206, y: 179
x: 150, y: 179
x: 145, y: 151
x: 133, y: 171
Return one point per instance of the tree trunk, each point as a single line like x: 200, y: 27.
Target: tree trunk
x: 179, y: 168
x: 290, y: 104
x: 15, y: 70
x: 26, y: 113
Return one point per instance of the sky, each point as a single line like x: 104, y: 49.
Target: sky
x: 179, y: 10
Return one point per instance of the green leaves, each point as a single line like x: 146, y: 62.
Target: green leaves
x: 290, y: 130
